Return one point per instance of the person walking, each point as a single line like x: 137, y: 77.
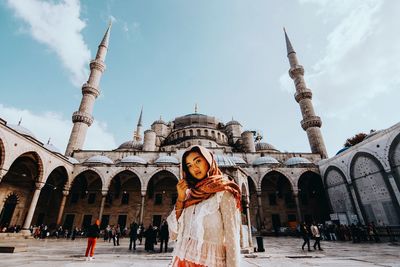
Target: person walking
x: 305, y: 234
x: 92, y: 235
x: 317, y: 235
x: 133, y: 235
x: 164, y: 236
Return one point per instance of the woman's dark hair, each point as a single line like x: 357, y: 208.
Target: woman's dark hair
x: 191, y: 181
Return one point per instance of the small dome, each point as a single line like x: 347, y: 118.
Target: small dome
x: 224, y: 161
x: 133, y: 159
x: 131, y: 145
x: 73, y: 160
x: 238, y: 160
x: 22, y: 130
x: 160, y: 121
x: 233, y: 122
x: 265, y: 160
x: 166, y: 160
x: 265, y: 146
x: 99, y: 159
x: 297, y: 160
x: 52, y: 148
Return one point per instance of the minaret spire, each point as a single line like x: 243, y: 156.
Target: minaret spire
x: 83, y: 118
x: 137, y: 133
x: 310, y: 123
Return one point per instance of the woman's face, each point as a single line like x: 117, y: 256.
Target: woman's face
x: 197, y: 165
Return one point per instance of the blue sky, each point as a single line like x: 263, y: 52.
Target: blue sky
x: 227, y: 56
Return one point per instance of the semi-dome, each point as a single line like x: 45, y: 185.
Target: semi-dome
x: 22, y: 130
x: 264, y: 146
x: 265, y: 160
x: 224, y: 161
x: 52, y: 148
x: 73, y: 160
x: 233, y: 122
x: 133, y: 159
x: 99, y: 159
x: 238, y: 160
x: 166, y: 160
x: 160, y: 121
x: 131, y: 145
x: 297, y: 160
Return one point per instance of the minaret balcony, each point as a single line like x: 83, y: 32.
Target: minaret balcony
x: 79, y: 116
x: 98, y: 65
x: 87, y: 88
x: 296, y: 71
x: 312, y: 121
x: 303, y: 94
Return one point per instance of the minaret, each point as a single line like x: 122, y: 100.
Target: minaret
x: 310, y: 123
x: 136, y: 135
x: 83, y: 118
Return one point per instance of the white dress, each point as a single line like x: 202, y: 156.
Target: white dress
x: 208, y: 233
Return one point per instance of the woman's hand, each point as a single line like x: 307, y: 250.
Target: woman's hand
x: 181, y: 187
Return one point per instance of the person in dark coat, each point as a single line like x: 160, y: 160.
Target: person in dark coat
x: 149, y: 234
x: 305, y: 234
x: 164, y: 236
x: 92, y: 235
x: 133, y: 235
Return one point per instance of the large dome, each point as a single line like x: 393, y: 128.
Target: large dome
x: 233, y: 122
x: 195, y: 119
x: 131, y: 145
x: 22, y: 130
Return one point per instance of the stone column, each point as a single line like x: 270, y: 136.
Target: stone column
x: 103, y: 201
x: 296, y: 199
x: 62, y: 206
x: 260, y: 210
x: 392, y: 182
x: 248, y: 221
x: 32, y: 206
x: 142, y: 206
x: 356, y: 203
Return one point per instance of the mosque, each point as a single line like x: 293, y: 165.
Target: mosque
x: 137, y: 180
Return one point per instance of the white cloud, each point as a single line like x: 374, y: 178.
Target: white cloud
x: 360, y: 60
x: 52, y: 125
x: 58, y: 26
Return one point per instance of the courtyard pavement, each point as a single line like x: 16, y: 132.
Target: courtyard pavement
x: 280, y: 251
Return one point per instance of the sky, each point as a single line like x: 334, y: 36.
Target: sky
x: 227, y: 56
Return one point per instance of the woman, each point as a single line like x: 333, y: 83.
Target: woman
x: 149, y: 234
x: 206, y: 218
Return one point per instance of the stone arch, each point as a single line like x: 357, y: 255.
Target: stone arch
x: 10, y: 203
x: 123, y: 198
x: 50, y: 198
x: 119, y: 170
x: 84, y: 170
x: 277, y: 171
x: 161, y: 196
x: 373, y: 190
x: 191, y: 132
x: 339, y: 193
x: 84, y: 199
x: 277, y: 201
x: 394, y: 159
x: 313, y: 202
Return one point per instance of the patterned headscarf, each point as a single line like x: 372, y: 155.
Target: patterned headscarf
x: 214, y: 182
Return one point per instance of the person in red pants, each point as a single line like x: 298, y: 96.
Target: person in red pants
x: 92, y: 235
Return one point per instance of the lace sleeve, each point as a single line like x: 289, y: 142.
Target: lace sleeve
x: 230, y: 218
x: 173, y: 225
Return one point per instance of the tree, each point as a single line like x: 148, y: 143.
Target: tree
x: 355, y: 139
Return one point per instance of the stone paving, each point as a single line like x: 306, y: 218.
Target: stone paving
x: 282, y: 251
